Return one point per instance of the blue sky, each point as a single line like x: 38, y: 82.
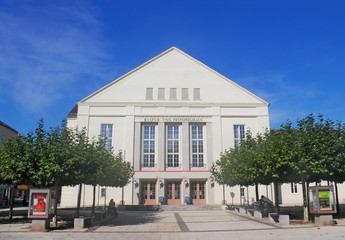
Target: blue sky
x: 54, y: 53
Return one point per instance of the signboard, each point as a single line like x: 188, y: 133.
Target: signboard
x: 321, y: 200
x: 173, y: 119
x: 41, y: 204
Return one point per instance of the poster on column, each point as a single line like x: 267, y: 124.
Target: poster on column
x: 40, y: 202
x: 325, y: 201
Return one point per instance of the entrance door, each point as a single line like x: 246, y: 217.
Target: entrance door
x: 173, y: 193
x: 198, y: 193
x: 148, y: 193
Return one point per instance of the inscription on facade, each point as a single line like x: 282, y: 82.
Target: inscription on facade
x: 173, y: 119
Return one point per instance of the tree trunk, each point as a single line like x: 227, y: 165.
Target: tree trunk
x: 337, y: 197
x: 257, y: 191
x: 123, y: 194
x: 57, y: 197
x: 276, y: 197
x: 77, y: 212
x: 240, y: 196
x: 10, y: 202
x: 223, y: 202
x: 93, y: 200
x: 305, y: 202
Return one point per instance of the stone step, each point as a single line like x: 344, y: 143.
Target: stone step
x: 190, y: 207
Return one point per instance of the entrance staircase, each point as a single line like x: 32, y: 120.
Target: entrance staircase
x: 168, y: 207
x: 190, y: 207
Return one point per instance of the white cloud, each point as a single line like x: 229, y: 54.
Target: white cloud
x: 48, y: 49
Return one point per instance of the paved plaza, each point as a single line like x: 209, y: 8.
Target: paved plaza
x: 180, y: 225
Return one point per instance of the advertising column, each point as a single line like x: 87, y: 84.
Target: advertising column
x: 41, y: 208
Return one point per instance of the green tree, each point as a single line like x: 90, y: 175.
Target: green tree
x: 14, y: 169
x: 240, y: 165
x: 60, y: 156
x: 319, y: 153
x: 311, y: 151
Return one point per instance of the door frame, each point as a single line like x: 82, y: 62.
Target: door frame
x: 173, y: 201
x: 149, y: 184
x: 197, y: 200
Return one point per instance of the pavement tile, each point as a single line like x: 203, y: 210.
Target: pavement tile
x: 182, y: 225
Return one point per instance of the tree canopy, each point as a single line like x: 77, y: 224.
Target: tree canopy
x: 60, y: 156
x: 311, y: 150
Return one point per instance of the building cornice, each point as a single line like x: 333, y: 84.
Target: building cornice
x: 172, y: 104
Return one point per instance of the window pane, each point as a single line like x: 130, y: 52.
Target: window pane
x: 169, y: 191
x: 149, y: 146
x: 239, y: 134
x: 193, y: 190
x: 197, y: 146
x: 177, y: 190
x: 201, y: 191
x: 173, y: 145
x: 107, y: 135
x: 152, y: 190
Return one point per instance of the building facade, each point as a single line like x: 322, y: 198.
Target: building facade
x: 172, y: 117
x: 6, y: 131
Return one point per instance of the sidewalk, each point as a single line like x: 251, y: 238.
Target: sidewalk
x: 182, y: 225
x: 161, y: 222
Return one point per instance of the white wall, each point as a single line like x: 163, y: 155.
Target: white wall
x: 123, y: 103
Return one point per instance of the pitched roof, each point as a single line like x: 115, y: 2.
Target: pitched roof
x: 161, y: 55
x: 74, y: 112
x: 8, y: 127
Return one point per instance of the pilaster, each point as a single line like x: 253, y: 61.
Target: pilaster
x: 185, y: 147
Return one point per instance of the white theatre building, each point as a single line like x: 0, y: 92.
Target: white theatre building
x: 172, y: 117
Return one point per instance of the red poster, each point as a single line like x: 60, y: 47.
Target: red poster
x: 40, y: 201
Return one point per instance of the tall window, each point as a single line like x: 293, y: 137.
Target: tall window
x: 294, y: 188
x: 242, y: 192
x: 149, y: 146
x: 239, y: 134
x: 197, y: 145
x: 173, y: 145
x: 107, y: 135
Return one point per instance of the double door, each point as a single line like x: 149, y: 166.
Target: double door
x: 148, y: 193
x: 198, y: 193
x: 173, y: 193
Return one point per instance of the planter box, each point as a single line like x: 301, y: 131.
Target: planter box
x: 82, y: 222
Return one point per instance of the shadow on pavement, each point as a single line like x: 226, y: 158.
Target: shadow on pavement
x: 131, y: 218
